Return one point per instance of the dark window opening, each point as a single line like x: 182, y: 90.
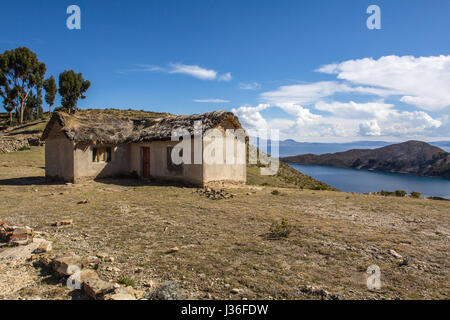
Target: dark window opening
x: 101, y: 154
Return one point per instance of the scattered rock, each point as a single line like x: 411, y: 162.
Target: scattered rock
x: 65, y: 265
x: 167, y: 291
x: 17, y: 235
x: 149, y: 284
x: 97, y: 288
x: 235, y: 291
x: 85, y: 201
x: 44, y: 246
x: 215, y: 194
x: 173, y: 250
x: 86, y: 274
x: 102, y: 255
x: 119, y: 296
x: 395, y: 254
x: 65, y: 222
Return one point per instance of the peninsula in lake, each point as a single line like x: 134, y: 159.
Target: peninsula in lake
x: 413, y: 157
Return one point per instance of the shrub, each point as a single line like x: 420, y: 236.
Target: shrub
x: 126, y: 282
x: 400, y: 193
x: 276, y: 192
x: 24, y: 148
x: 280, y: 229
x: 396, y: 193
x: 416, y: 194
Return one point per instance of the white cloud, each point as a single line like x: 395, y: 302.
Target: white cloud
x: 193, y: 70
x: 312, y: 92
x: 180, y: 68
x: 225, y: 77
x: 251, y: 118
x: 370, y: 128
x: 249, y: 86
x: 422, y: 81
x: 356, y: 110
x: 211, y: 100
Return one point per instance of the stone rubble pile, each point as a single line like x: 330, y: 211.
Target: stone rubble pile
x: 25, y: 244
x: 15, y: 235
x: 11, y: 144
x: 215, y: 194
x: 74, y: 268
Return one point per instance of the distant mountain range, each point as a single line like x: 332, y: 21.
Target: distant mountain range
x: 413, y: 157
x: 291, y: 147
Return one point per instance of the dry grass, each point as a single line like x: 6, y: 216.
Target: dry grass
x: 224, y: 244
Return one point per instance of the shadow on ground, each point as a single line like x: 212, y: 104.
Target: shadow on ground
x: 28, y: 181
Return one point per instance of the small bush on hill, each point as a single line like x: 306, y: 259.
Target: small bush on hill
x: 416, y: 194
x: 280, y: 230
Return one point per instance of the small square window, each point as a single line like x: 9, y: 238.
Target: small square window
x: 101, y: 154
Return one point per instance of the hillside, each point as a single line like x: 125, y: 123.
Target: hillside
x: 414, y: 157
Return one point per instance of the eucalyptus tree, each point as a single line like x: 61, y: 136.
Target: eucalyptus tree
x: 20, y: 73
x: 50, y: 92
x: 72, y: 86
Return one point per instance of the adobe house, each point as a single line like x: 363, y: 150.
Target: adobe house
x: 78, y: 147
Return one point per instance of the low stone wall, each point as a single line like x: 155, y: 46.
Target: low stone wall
x: 11, y: 144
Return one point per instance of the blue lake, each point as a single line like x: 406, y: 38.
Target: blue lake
x: 364, y: 181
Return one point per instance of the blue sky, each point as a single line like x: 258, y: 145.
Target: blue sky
x: 265, y: 60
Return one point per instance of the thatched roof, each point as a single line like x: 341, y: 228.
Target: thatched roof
x: 113, y: 130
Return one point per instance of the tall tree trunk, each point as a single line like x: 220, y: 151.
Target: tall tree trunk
x: 21, y: 112
x: 10, y: 117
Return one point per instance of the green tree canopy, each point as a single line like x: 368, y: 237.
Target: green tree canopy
x: 50, y: 91
x: 20, y: 73
x: 72, y: 87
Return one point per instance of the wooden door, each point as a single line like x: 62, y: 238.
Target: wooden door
x: 146, y: 162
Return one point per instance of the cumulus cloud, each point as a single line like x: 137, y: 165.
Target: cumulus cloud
x: 312, y: 92
x: 251, y: 118
x: 354, y: 103
x: 421, y: 81
x: 369, y: 128
x: 356, y: 110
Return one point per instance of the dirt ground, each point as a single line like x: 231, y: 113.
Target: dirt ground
x: 225, y: 244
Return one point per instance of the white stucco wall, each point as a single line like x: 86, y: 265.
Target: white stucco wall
x: 59, y: 160
x: 85, y: 167
x: 191, y: 173
x: 234, y: 171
